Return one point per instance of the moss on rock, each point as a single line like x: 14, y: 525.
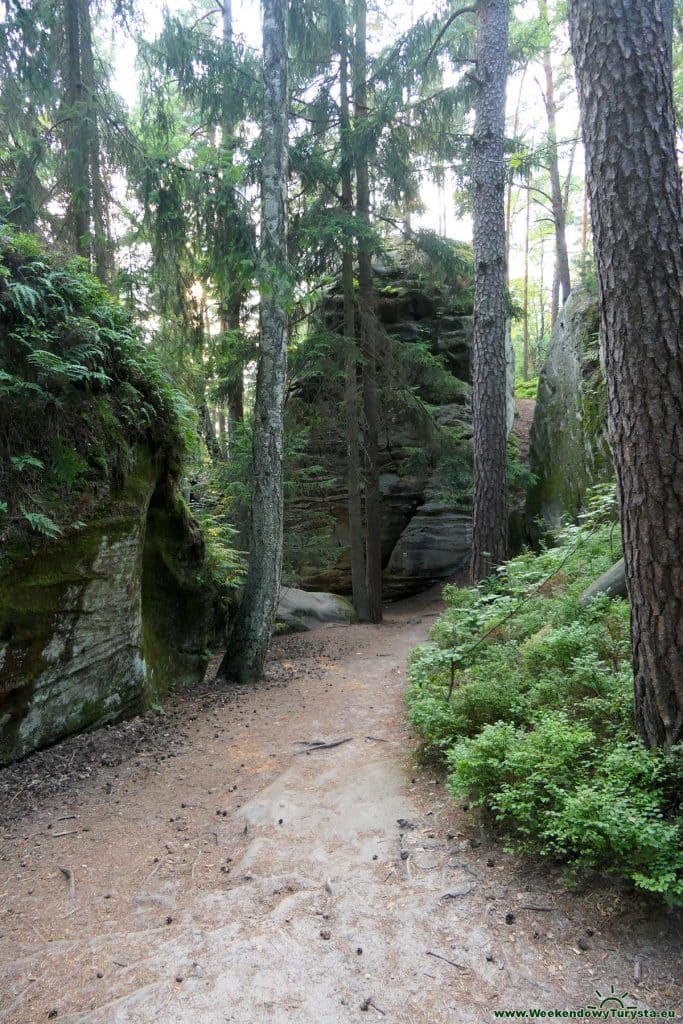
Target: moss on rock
x: 104, y: 600
x: 569, y: 447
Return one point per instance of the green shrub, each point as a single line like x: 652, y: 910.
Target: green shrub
x: 527, y: 697
x: 526, y: 388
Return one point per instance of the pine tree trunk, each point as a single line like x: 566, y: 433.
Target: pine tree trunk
x: 636, y: 211
x: 561, y: 254
x: 368, y: 328
x: 236, y: 385
x: 79, y: 214
x: 209, y: 431
x: 584, y: 226
x: 555, y: 296
x: 251, y: 632
x: 525, y: 337
x: 489, y: 393
x: 222, y: 433
x: 351, y: 409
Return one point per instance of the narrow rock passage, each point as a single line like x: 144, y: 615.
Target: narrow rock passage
x: 236, y: 877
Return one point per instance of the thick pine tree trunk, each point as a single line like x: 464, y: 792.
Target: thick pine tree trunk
x: 368, y: 328
x: 250, y: 635
x: 351, y: 404
x: 623, y: 69
x: 489, y: 395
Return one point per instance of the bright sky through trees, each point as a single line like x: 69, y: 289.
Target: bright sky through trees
x: 386, y: 22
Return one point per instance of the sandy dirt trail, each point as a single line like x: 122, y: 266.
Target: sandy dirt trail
x: 199, y: 866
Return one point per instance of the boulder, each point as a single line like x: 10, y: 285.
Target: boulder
x: 301, y: 609
x: 612, y: 583
x: 434, y: 544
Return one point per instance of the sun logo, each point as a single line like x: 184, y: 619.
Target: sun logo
x: 611, y: 1000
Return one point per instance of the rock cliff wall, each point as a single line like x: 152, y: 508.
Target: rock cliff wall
x: 104, y: 601
x: 569, y: 438
x: 425, y: 433
x: 97, y: 624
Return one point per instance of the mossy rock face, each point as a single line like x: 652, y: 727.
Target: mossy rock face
x: 569, y: 450
x: 104, y: 600
x: 98, y: 624
x: 179, y: 605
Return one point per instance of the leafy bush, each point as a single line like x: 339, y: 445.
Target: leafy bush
x: 526, y: 696
x: 526, y: 388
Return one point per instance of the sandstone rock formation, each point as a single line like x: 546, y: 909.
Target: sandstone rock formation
x: 569, y: 444
x: 425, y: 437
x: 97, y: 624
x: 301, y: 609
x: 104, y: 598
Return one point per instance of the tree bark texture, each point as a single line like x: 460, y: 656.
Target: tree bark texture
x: 351, y: 403
x: 250, y: 635
x: 624, y: 76
x: 489, y: 395
x: 368, y: 325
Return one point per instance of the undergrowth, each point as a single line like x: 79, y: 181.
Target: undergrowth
x: 526, y: 696
x: 78, y: 391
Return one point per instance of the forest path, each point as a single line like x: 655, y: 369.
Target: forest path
x: 521, y: 428
x: 219, y: 873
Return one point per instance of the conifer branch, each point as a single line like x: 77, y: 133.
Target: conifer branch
x: 445, y: 27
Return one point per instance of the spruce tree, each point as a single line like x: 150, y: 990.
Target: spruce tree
x: 250, y: 634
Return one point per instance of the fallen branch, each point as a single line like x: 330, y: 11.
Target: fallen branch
x: 437, y: 956
x: 311, y: 745
x: 367, y: 1003
x: 69, y: 875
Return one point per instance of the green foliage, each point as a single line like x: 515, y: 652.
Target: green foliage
x: 67, y: 465
x: 527, y: 697
x: 42, y: 524
x: 225, y: 563
x: 78, y: 390
x: 526, y: 388
x: 520, y: 477
x: 221, y: 498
